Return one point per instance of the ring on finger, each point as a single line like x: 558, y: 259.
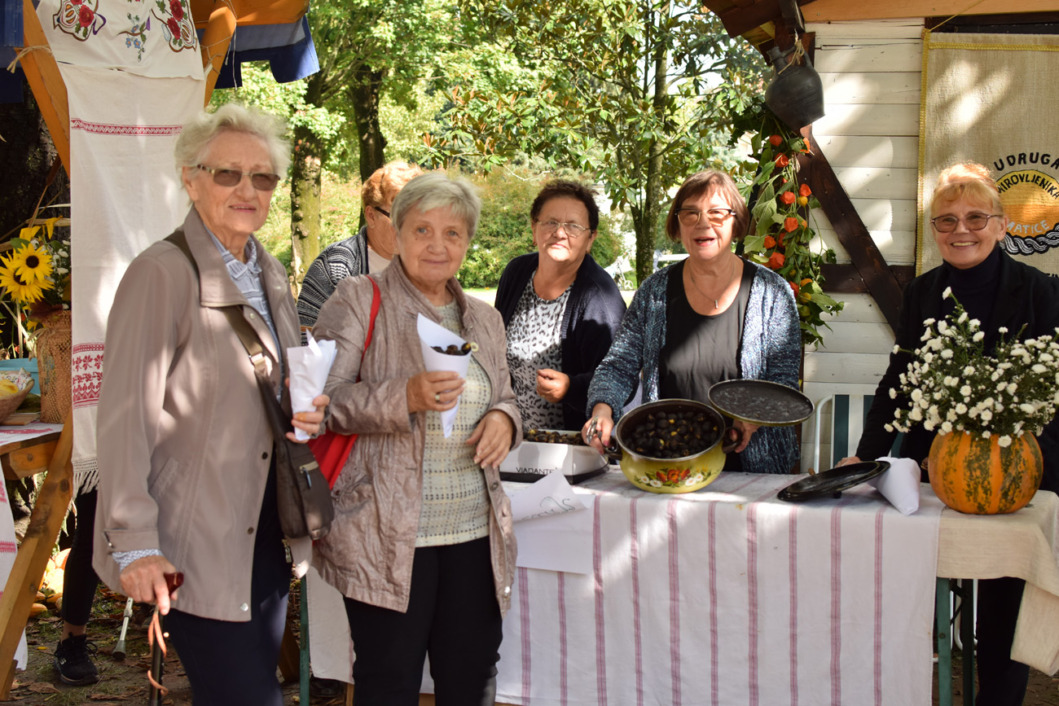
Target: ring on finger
x: 437, y: 397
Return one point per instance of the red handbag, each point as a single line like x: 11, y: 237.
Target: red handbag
x: 332, y: 449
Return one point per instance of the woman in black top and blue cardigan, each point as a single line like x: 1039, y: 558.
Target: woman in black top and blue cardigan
x: 561, y: 309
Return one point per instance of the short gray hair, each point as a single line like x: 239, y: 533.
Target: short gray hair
x: 195, y: 138
x: 436, y: 190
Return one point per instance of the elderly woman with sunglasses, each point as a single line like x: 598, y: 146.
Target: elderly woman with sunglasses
x: 968, y: 223
x: 711, y: 317
x: 187, y: 479
x: 561, y: 309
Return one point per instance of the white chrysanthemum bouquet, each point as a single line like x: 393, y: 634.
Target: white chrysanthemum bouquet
x: 953, y: 386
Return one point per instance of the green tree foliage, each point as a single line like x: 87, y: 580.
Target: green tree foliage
x: 634, y: 92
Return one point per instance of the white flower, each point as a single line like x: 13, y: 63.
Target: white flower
x: 930, y: 322
x: 698, y: 478
x: 966, y: 391
x: 943, y: 326
x: 963, y: 318
x: 946, y: 354
x: 986, y: 415
x: 644, y: 479
x: 888, y: 427
x: 1001, y: 386
x: 1027, y: 408
x: 655, y: 483
x: 1004, y: 441
x: 690, y: 481
x: 947, y: 293
x: 917, y: 395
x: 978, y: 336
x: 896, y: 349
x: 968, y: 370
x: 916, y: 414
x: 893, y: 394
x: 961, y: 408
x: 1039, y: 369
x: 986, y: 434
x: 946, y: 427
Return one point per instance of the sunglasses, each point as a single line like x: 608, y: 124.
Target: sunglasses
x: 261, y: 181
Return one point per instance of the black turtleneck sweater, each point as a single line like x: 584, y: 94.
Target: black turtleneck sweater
x: 1000, y: 291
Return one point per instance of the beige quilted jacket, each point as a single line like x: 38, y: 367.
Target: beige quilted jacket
x: 368, y: 554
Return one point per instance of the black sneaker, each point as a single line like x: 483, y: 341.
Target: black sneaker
x: 73, y: 663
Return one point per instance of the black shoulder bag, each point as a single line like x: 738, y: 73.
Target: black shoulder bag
x: 303, y: 496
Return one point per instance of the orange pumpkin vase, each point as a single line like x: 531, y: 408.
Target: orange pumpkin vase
x: 976, y: 475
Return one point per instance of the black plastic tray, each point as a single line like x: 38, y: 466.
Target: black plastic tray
x: 831, y: 483
x: 767, y: 404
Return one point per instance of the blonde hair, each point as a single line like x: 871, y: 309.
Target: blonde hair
x: 199, y: 132
x: 386, y: 181
x: 966, y: 180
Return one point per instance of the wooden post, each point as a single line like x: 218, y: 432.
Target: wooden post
x: 49, y: 511
x: 42, y: 73
x: 215, y: 42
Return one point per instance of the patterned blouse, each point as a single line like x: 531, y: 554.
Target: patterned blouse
x: 455, y: 505
x: 534, y: 338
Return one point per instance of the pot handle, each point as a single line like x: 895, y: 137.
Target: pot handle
x: 729, y: 444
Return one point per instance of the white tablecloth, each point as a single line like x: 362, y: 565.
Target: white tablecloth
x: 724, y: 596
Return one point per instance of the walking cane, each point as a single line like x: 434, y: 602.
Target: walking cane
x: 119, y: 649
x: 156, y: 638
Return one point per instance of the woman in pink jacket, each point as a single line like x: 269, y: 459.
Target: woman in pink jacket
x: 422, y: 545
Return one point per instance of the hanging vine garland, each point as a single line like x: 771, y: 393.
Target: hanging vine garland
x: 782, y: 239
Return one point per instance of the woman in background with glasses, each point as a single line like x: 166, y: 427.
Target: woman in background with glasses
x: 711, y: 317
x: 561, y: 309
x: 968, y: 223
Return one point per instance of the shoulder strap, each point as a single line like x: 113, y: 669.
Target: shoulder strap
x: 376, y: 300
x: 248, y: 337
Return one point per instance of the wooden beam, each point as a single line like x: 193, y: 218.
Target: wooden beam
x: 845, y: 279
x: 880, y: 282
x: 49, y: 511
x: 215, y: 42
x: 28, y: 461
x: 49, y: 89
x: 838, y: 10
x: 253, y: 12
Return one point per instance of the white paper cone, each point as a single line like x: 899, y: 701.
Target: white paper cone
x: 308, y: 366
x: 432, y: 334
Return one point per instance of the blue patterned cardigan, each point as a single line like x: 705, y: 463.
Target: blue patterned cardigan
x: 770, y: 350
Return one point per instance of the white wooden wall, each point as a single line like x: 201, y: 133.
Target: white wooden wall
x: 871, y: 74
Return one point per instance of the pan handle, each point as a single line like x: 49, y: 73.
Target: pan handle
x: 729, y: 444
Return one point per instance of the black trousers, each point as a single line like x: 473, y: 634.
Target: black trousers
x: 79, y: 578
x: 452, y: 615
x: 1001, y: 681
x: 234, y: 663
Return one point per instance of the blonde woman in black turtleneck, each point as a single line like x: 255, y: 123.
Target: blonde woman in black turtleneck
x: 968, y: 224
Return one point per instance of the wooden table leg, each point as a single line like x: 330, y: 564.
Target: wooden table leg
x: 49, y: 511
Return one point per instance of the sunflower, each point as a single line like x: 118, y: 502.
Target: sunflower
x: 33, y: 263
x: 20, y: 290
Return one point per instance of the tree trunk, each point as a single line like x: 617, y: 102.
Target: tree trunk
x: 305, y: 181
x: 364, y: 95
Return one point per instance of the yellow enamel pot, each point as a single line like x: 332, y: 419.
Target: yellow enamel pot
x: 671, y: 475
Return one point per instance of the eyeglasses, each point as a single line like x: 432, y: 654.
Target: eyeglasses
x: 262, y: 181
x: 716, y: 216
x: 573, y: 230
x: 973, y: 221
x: 383, y: 211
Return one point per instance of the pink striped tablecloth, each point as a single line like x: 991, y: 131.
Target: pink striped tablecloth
x: 730, y: 596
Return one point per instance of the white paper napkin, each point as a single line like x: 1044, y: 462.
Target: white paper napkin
x: 899, y: 484
x: 551, y: 495
x: 432, y: 334
x: 309, y: 366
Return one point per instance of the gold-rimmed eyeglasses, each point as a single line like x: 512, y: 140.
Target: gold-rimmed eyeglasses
x: 715, y: 216
x: 262, y: 181
x: 573, y: 230
x: 973, y: 221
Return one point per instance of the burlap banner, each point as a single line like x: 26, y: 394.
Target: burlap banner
x: 992, y: 99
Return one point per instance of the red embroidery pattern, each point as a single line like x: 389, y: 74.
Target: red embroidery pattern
x: 87, y: 374
x: 177, y: 26
x: 8, y: 548
x: 79, y: 18
x: 135, y: 130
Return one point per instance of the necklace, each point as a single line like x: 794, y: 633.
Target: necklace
x: 727, y: 281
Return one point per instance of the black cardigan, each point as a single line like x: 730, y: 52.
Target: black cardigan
x: 1025, y: 296
x: 591, y: 319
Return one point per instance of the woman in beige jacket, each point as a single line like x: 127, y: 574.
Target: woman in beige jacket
x: 187, y: 480
x: 422, y: 544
